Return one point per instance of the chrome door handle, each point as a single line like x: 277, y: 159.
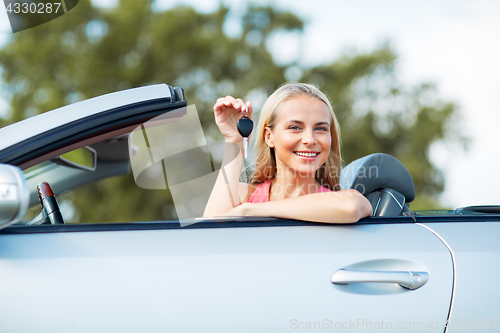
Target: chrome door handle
x: 406, y: 279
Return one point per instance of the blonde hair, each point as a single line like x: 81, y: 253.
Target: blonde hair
x: 265, y: 166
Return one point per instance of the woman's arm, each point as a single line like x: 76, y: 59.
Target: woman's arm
x: 226, y: 192
x: 346, y: 206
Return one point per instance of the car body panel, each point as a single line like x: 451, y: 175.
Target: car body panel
x: 476, y: 252
x: 221, y: 279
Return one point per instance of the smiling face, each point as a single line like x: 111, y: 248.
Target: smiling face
x: 301, y: 135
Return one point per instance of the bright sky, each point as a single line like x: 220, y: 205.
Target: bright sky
x: 453, y: 43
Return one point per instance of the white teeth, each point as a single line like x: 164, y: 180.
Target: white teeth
x: 306, y: 154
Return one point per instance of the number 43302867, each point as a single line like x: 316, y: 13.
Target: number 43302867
x: 33, y: 8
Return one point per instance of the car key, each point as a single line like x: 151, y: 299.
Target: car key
x: 245, y: 127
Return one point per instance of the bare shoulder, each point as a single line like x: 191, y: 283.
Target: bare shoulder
x: 245, y: 191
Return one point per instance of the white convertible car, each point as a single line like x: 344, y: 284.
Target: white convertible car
x: 398, y: 271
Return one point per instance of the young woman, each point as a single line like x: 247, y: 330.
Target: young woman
x: 298, y: 161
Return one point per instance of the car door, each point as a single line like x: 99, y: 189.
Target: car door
x: 241, y: 276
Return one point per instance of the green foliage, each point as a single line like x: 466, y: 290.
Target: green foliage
x: 90, y: 52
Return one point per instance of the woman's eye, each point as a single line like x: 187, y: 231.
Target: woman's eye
x: 294, y: 127
x: 322, y: 128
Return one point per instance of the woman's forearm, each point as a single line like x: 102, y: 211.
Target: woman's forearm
x: 347, y: 206
x: 224, y: 194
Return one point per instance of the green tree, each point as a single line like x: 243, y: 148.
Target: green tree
x: 90, y: 52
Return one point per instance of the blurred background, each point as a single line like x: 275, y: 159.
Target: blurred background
x: 419, y: 80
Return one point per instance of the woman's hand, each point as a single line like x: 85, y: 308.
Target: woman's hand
x: 225, y: 194
x: 228, y: 110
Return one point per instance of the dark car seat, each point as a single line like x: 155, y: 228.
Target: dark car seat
x: 383, y: 180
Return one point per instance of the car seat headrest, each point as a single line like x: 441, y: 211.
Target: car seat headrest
x: 375, y: 172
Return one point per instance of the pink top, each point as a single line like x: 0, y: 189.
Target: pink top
x: 261, y: 194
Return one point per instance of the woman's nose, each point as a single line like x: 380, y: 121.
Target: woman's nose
x: 308, y: 138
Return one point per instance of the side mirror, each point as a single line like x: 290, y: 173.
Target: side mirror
x: 14, y: 194
x: 84, y: 158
